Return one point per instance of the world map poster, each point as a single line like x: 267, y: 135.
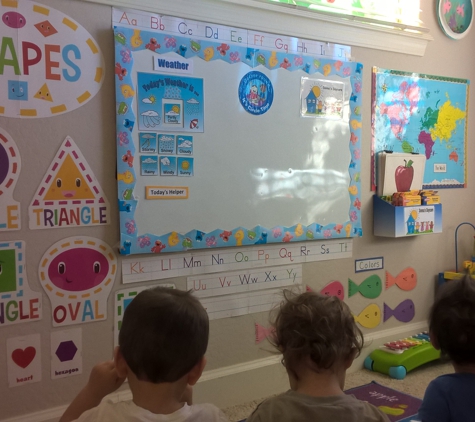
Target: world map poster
x: 423, y: 114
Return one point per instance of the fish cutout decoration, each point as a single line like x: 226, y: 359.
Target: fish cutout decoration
x: 404, y: 312
x: 370, y: 317
x: 405, y: 280
x: 334, y: 288
x: 262, y: 332
x: 370, y: 288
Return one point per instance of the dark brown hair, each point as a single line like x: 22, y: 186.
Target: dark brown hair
x: 452, y: 320
x: 164, y: 334
x: 316, y: 326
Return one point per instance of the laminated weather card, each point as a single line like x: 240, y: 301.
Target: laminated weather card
x: 10, y: 166
x: 69, y: 194
x: 77, y: 273
x: 49, y: 63
x: 18, y: 303
x: 230, y: 137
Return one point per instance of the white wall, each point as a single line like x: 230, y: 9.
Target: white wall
x: 232, y: 350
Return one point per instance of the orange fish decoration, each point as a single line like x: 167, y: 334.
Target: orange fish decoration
x: 405, y: 280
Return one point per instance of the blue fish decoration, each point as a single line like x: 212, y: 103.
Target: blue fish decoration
x: 403, y: 312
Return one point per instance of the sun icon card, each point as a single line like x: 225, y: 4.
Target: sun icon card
x: 185, y: 166
x: 69, y: 194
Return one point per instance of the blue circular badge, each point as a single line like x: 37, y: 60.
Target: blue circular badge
x: 256, y: 93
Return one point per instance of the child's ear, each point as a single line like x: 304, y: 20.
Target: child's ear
x: 433, y: 340
x: 120, y: 363
x: 195, y: 373
x: 351, y: 357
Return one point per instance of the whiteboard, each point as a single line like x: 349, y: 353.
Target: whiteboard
x: 282, y: 175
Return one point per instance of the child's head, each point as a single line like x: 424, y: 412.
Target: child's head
x: 164, y: 334
x: 316, y: 330
x: 452, y: 320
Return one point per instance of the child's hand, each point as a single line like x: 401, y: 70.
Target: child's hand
x: 104, y: 379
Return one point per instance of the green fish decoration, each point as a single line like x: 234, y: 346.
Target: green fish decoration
x: 370, y: 288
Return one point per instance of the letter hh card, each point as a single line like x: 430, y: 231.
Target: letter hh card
x: 66, y: 353
x: 24, y: 360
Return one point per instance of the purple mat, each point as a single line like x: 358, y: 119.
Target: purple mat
x: 397, y: 405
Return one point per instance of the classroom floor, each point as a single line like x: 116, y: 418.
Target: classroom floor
x: 415, y: 384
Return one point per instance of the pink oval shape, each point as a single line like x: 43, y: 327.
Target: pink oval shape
x: 14, y: 20
x: 78, y: 269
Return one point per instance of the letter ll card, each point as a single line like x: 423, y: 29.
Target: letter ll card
x: 66, y: 353
x: 24, y: 360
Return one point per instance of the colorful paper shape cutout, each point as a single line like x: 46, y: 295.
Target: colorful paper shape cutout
x: 10, y: 166
x: 17, y: 302
x: 405, y: 280
x: 69, y: 194
x: 77, y: 273
x: 66, y: 353
x: 369, y: 317
x: 370, y: 288
x: 122, y: 300
x: 262, y: 332
x: 24, y: 360
x: 57, y: 51
x: 334, y: 288
x: 404, y: 312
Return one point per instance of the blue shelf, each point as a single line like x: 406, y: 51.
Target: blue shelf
x: 391, y: 221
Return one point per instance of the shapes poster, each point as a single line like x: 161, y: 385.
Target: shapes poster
x: 49, y: 64
x: 66, y: 353
x: 17, y: 302
x: 10, y: 166
x: 77, y: 274
x: 24, y: 360
x: 69, y: 194
x: 425, y: 114
x: 170, y: 102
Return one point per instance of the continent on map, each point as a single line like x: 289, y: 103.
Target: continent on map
x: 400, y: 109
x: 446, y: 122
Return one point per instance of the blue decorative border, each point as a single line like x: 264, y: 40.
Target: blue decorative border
x: 126, y: 43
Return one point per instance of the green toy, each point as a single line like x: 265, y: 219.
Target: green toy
x: 398, y: 363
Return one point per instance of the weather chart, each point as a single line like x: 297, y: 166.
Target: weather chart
x: 273, y: 102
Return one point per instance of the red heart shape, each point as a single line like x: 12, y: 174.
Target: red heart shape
x: 23, y: 357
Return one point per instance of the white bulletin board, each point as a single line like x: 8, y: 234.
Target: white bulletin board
x: 223, y: 143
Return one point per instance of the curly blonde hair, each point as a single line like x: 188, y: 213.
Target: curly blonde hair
x: 316, y: 326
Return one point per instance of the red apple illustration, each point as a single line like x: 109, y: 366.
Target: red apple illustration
x: 404, y: 175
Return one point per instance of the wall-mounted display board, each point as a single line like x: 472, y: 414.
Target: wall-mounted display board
x: 425, y: 114
x: 228, y: 137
